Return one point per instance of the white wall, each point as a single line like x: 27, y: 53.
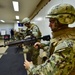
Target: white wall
x: 15, y: 27
x: 43, y: 24
x: 6, y: 27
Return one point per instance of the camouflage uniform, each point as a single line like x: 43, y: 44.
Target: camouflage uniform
x: 19, y: 36
x: 44, y: 53
x: 32, y: 53
x: 62, y: 51
x: 62, y: 60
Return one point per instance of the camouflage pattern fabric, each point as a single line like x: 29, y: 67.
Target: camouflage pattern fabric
x: 35, y: 31
x: 62, y: 60
x: 65, y: 13
x: 44, y: 53
x: 18, y: 36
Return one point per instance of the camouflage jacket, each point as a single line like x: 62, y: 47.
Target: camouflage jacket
x: 62, y: 59
x: 33, y: 30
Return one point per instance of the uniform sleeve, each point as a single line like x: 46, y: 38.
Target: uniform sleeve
x: 36, y: 32
x: 60, y: 63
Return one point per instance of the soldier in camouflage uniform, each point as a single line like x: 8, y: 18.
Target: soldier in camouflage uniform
x: 62, y: 51
x: 31, y: 31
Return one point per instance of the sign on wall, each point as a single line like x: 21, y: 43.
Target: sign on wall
x: 3, y: 32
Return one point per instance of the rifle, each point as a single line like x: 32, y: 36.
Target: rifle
x: 28, y: 41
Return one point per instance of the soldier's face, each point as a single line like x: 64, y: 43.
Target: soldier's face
x: 53, y: 24
x: 27, y: 25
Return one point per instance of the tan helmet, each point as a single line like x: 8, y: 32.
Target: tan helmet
x: 65, y: 13
x: 26, y: 20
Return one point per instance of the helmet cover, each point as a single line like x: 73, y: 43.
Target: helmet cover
x: 26, y: 20
x: 65, y: 13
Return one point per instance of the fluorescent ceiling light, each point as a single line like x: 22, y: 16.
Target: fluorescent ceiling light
x: 17, y: 21
x: 2, y: 21
x: 16, y: 6
x: 17, y: 17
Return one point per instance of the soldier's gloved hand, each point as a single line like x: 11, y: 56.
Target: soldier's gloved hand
x: 37, y: 45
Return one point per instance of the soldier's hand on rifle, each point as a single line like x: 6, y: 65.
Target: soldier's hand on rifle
x: 27, y: 64
x: 37, y: 45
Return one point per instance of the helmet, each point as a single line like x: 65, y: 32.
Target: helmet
x: 65, y: 13
x: 26, y: 20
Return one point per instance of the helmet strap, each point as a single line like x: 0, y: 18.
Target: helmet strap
x: 61, y: 26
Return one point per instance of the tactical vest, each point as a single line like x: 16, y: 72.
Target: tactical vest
x: 31, y: 28
x: 68, y: 33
